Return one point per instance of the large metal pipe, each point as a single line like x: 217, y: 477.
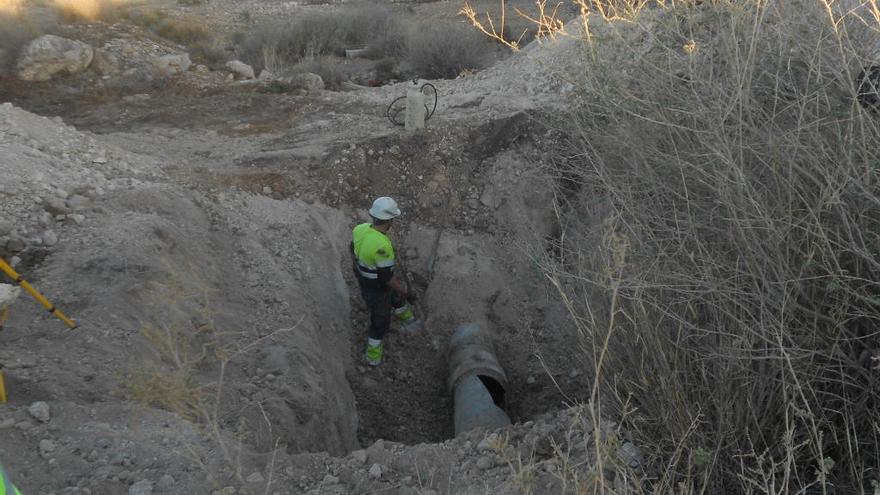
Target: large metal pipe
x: 476, y: 380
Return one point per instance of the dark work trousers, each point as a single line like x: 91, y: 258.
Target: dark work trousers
x: 380, y: 302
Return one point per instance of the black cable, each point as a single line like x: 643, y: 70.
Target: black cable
x: 393, y: 113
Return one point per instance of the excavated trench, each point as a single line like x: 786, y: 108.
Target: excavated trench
x: 469, y: 193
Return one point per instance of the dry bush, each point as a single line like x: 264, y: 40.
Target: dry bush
x: 290, y: 41
x: 386, y: 34
x: 318, y: 34
x: 443, y: 50
x: 719, y: 250
x: 332, y: 70
x: 188, y: 30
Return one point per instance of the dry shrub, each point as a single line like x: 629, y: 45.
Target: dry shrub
x: 210, y: 52
x: 290, y: 41
x: 332, y: 70
x: 318, y: 34
x: 443, y: 50
x: 386, y: 34
x: 719, y: 250
x: 186, y: 30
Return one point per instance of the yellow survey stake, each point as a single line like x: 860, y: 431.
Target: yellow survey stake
x: 35, y: 294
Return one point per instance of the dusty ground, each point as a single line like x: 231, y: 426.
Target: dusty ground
x: 207, y: 265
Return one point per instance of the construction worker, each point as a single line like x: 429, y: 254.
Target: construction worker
x: 6, y: 486
x: 382, y: 289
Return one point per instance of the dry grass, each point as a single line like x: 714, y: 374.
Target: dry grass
x: 186, y: 30
x: 445, y: 50
x: 334, y: 71
x: 322, y: 34
x: 183, y: 346
x: 719, y: 254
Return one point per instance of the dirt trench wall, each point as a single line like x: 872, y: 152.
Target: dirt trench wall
x: 167, y: 285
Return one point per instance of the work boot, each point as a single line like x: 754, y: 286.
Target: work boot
x: 408, y: 320
x: 412, y: 326
x: 374, y: 352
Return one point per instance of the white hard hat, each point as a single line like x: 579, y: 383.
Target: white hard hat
x: 384, y: 208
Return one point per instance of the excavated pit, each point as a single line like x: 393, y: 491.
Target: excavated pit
x: 468, y: 192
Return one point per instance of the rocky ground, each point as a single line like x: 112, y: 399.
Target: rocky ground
x: 197, y: 230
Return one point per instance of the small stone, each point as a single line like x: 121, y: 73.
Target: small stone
x: 256, y: 477
x: 484, y: 463
x: 240, y: 69
x: 375, y: 471
x: 142, y: 487
x: 46, y: 447
x: 574, y: 373
x: 360, y: 456
x: 77, y: 218
x: 55, y: 206
x: 267, y: 190
x: 50, y: 238
x: 99, y: 160
x: 330, y: 480
x: 103, y: 443
x: 45, y: 219
x: 93, y: 456
x: 369, y: 383
x: 5, y: 227
x: 78, y: 202
x: 15, y: 245
x: 630, y: 454
x: 166, y: 483
x: 530, y: 380
x: 488, y: 443
x: 7, y: 423
x: 40, y: 411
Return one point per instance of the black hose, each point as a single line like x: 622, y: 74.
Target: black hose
x: 393, y: 113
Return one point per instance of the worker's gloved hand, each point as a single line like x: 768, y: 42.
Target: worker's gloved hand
x: 411, y: 297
